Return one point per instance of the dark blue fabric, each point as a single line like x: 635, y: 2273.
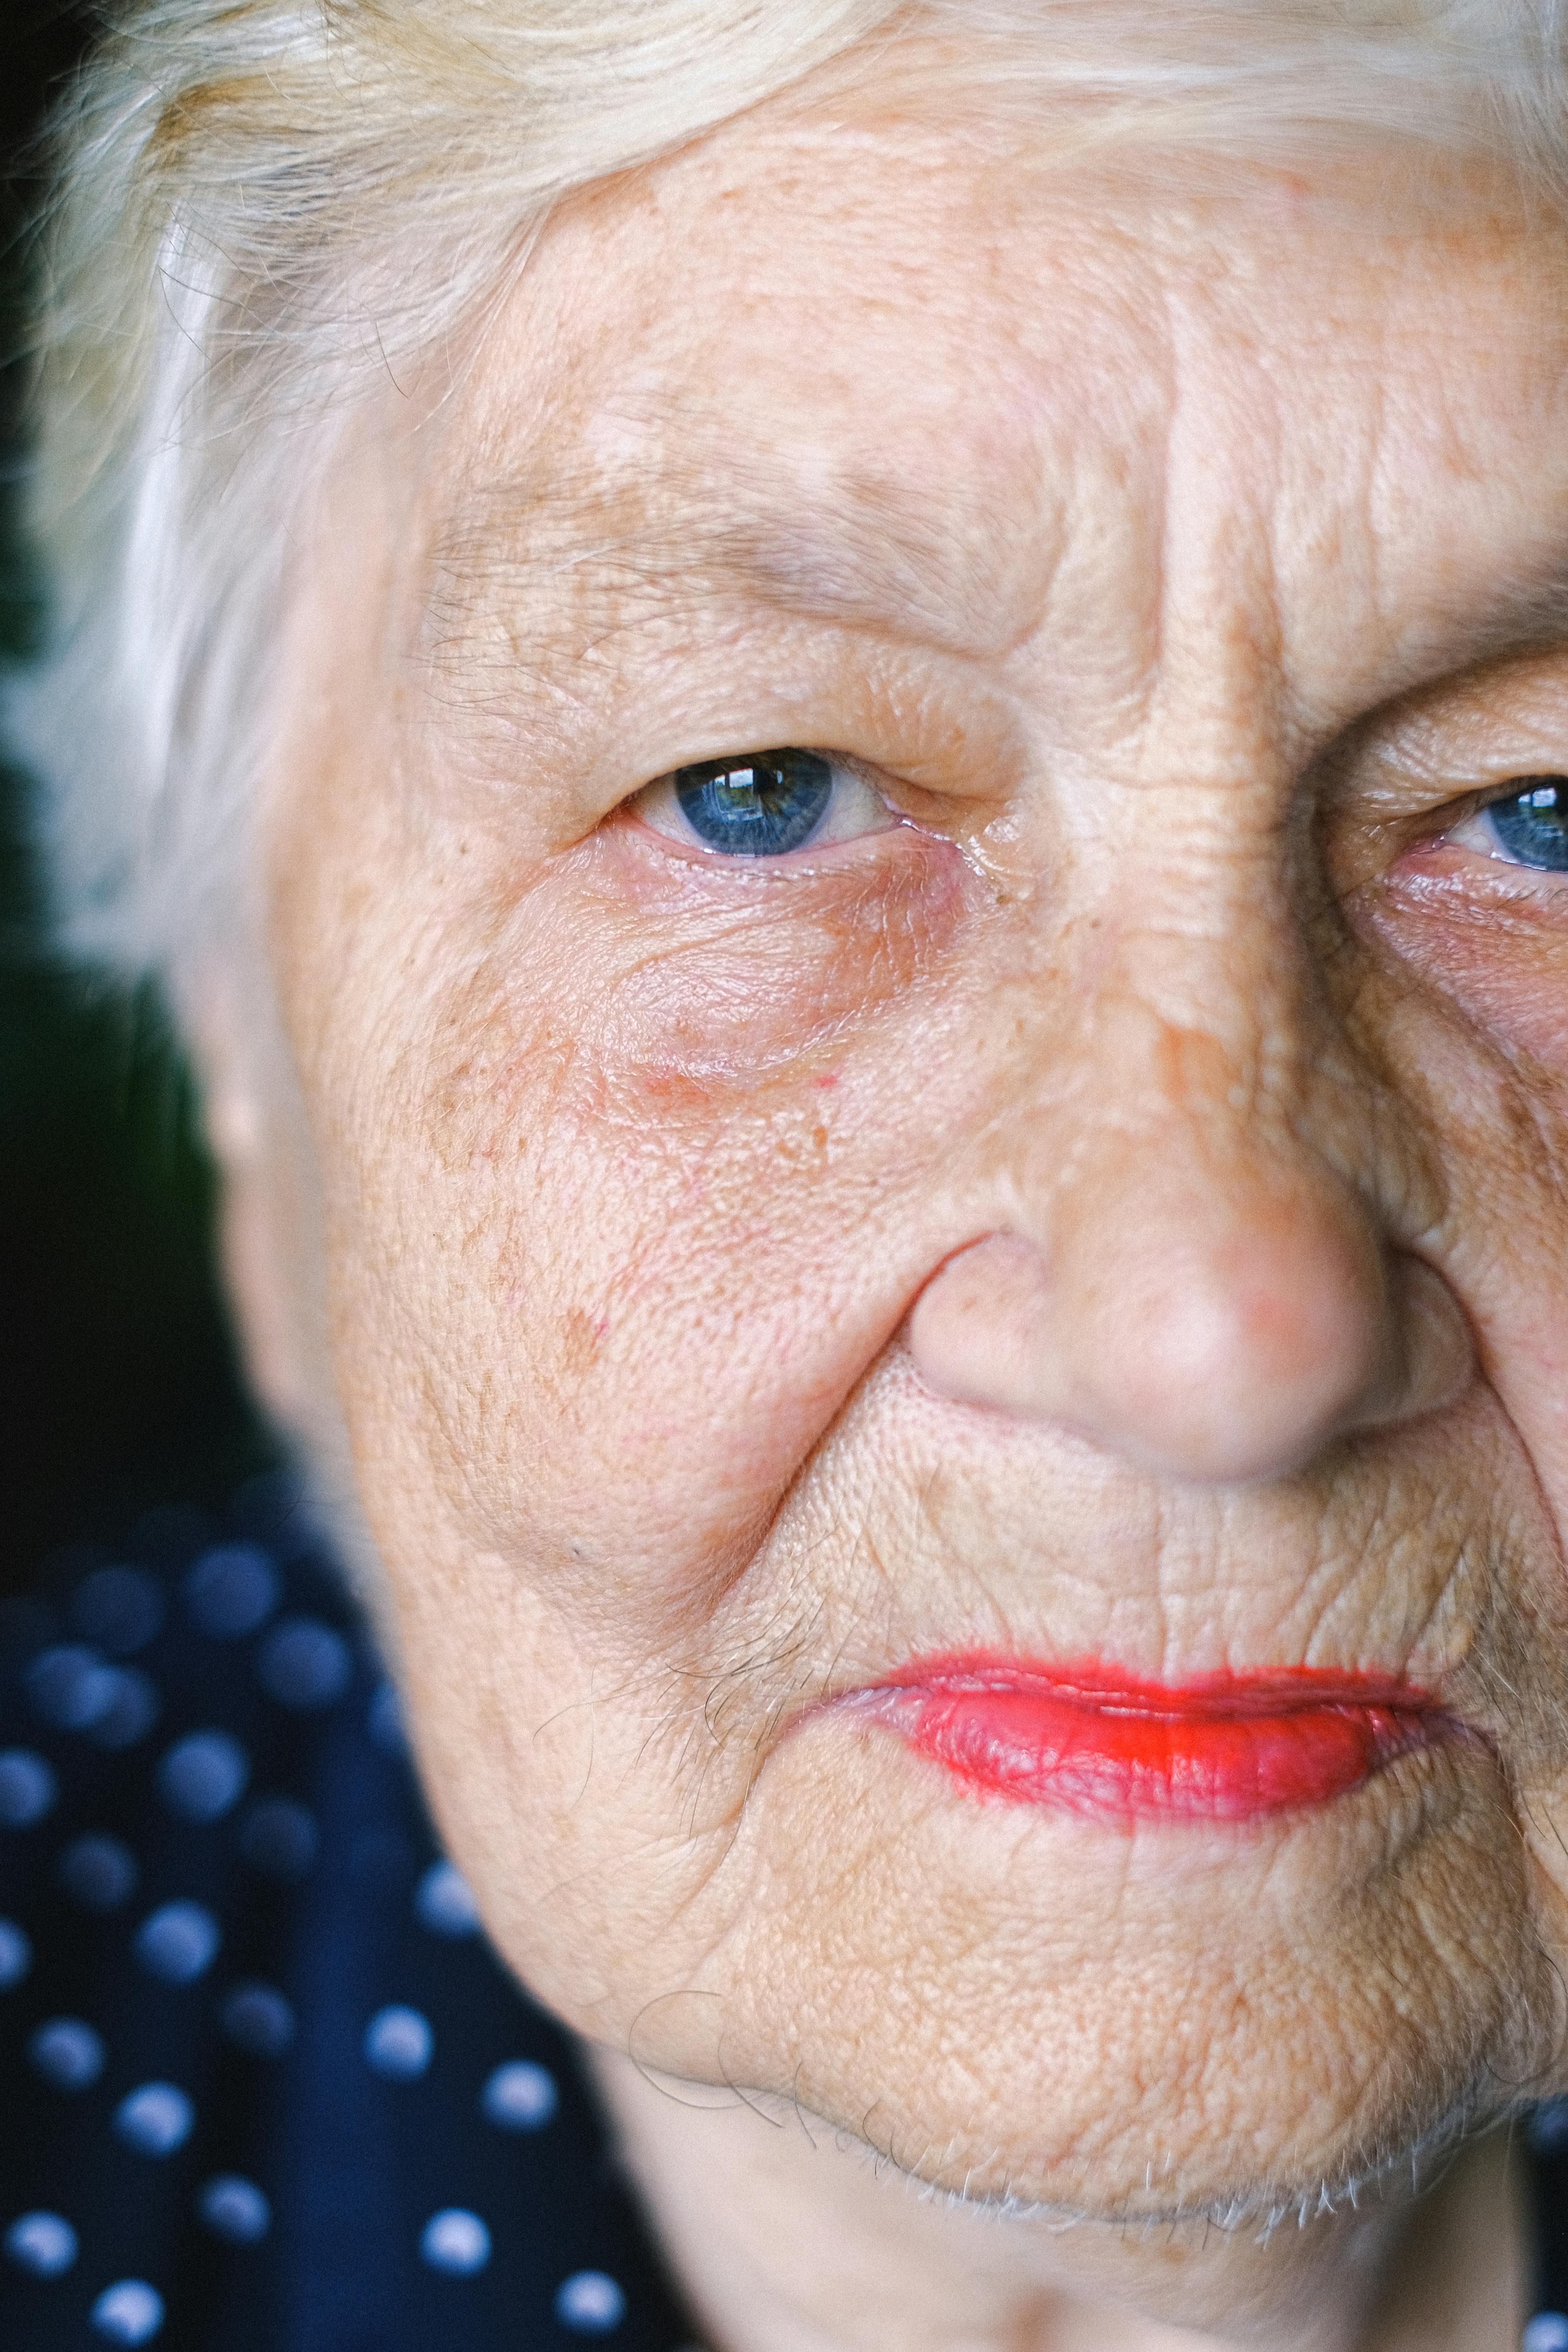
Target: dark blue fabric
x: 1546, y: 2151
x: 270, y: 1929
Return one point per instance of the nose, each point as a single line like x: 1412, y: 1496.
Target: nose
x: 1191, y: 1283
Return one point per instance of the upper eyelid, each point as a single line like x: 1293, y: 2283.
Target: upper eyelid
x: 862, y: 770
x: 844, y: 764
x: 1466, y: 806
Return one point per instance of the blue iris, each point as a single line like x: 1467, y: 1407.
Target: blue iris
x: 1532, y: 824
x: 757, y: 806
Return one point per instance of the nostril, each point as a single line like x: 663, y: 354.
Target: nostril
x: 1432, y: 1360
x: 978, y: 1330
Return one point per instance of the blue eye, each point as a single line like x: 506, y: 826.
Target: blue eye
x: 1530, y: 827
x: 759, y: 805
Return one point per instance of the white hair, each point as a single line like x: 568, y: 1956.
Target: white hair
x: 266, y: 205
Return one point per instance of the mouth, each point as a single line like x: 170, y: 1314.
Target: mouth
x: 1090, y: 1739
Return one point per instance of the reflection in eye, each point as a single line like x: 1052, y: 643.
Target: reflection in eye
x: 1531, y: 826
x: 758, y: 806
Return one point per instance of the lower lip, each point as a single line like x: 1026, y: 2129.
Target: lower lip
x: 1222, y: 1748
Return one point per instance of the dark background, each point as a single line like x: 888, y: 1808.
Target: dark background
x: 118, y: 1384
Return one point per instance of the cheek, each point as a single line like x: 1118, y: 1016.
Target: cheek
x: 1481, y: 1050
x: 669, y: 1151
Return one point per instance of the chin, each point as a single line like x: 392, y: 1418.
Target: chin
x: 1134, y: 2021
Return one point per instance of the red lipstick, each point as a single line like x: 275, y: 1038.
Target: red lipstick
x: 1088, y: 1740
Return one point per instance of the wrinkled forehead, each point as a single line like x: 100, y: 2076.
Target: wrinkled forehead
x: 964, y: 394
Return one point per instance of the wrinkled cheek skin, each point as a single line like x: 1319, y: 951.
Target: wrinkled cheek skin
x: 587, y: 1237
x: 1489, y: 1055
x: 669, y: 1124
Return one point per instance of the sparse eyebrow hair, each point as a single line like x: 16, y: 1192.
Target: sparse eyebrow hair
x: 860, y: 553
x: 1525, y: 617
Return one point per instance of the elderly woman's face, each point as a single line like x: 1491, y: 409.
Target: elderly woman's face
x: 1050, y: 1183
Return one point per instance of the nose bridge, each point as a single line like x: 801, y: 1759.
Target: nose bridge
x: 1173, y: 1246
x: 1192, y: 1048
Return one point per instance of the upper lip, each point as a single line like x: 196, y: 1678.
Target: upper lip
x: 1214, y: 1696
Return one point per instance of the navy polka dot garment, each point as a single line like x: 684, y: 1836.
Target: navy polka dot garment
x: 264, y: 2087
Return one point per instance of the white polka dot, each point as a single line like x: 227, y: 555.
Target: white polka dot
x: 44, y: 2243
x: 178, y: 1942
x: 71, y: 1686
x: 235, y: 2209
x: 16, y: 1954
x: 1547, y: 2331
x: 398, y: 2042
x: 232, y: 1590
x: 203, y: 1775
x: 98, y: 1872
x: 120, y: 1608
x: 155, y: 2120
x: 132, y: 1712
x: 520, y: 2097
x: 259, y: 2019
x: 456, y: 2242
x: 590, y: 2303
x: 280, y: 1837
x: 67, y: 2053
x: 130, y: 2311
x: 303, y: 1663
x: 27, y: 1789
x: 443, y: 1901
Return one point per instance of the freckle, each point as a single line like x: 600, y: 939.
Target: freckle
x: 580, y: 1337
x: 819, y: 1137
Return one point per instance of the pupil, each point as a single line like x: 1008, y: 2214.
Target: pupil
x: 757, y: 806
x: 1532, y: 824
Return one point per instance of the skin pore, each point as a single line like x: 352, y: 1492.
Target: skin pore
x: 1104, y: 1202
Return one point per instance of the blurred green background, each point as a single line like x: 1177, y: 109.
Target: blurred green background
x: 119, y: 1389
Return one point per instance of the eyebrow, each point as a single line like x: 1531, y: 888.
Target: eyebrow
x: 1523, y: 616
x: 858, y: 553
